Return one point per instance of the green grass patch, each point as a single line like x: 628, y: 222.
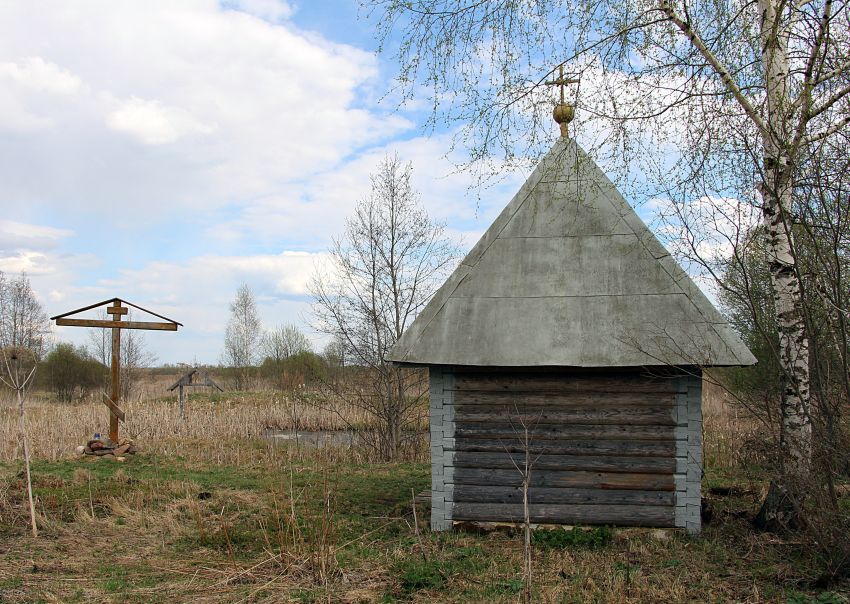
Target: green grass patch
x: 432, y: 572
x: 826, y: 597
x: 576, y: 537
x: 11, y: 583
x: 121, y: 579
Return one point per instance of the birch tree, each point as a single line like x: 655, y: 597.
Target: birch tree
x: 242, y: 336
x: 23, y: 322
x: 691, y: 98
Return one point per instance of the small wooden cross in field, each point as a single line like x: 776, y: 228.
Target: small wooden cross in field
x: 117, y: 310
x: 187, y: 380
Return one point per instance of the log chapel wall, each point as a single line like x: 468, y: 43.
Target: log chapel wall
x: 607, y: 447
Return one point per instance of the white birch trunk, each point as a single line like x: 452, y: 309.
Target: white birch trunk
x: 776, y: 194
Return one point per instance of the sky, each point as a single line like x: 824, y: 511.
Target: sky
x: 166, y: 152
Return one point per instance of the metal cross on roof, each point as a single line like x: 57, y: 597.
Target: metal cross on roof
x: 561, y: 81
x: 117, y: 310
x: 563, y: 112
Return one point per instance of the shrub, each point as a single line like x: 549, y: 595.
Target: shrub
x: 70, y: 372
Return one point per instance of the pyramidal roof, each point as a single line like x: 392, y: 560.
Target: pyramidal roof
x: 568, y: 275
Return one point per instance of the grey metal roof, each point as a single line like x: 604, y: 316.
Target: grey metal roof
x: 569, y: 275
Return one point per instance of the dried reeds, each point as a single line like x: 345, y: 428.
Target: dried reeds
x: 157, y: 427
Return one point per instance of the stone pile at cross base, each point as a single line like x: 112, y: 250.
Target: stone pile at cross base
x: 99, y: 447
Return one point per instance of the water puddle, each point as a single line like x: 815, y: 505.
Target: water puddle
x: 312, y: 439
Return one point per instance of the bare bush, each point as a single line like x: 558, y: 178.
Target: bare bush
x: 383, y: 271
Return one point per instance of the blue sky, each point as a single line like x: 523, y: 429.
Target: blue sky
x: 166, y: 152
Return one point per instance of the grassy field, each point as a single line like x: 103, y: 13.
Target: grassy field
x: 210, y: 511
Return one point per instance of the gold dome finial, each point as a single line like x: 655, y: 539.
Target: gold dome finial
x: 563, y: 112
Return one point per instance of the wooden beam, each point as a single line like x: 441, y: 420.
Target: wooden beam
x: 565, y: 479
x: 630, y: 515
x: 502, y: 494
x: 116, y: 385
x: 120, y: 324
x: 117, y: 310
x: 115, y: 409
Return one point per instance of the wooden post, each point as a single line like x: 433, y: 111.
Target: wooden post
x: 116, y: 382
x: 182, y: 404
x: 116, y: 312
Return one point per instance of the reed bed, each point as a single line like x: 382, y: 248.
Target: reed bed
x: 226, y: 428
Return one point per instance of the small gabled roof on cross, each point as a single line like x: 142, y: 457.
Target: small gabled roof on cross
x: 116, y: 310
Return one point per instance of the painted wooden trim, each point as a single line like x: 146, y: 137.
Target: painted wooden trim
x: 688, y: 477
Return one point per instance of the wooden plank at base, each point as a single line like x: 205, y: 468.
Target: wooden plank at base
x: 636, y: 465
x: 122, y: 324
x: 116, y: 410
x: 497, y: 494
x: 630, y: 515
x: 565, y: 478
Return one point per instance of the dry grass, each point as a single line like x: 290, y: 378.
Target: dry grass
x: 212, y: 427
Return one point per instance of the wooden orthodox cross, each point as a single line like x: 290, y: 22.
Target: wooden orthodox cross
x: 117, y: 310
x: 188, y: 381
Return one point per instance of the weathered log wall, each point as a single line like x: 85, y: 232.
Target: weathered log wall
x: 600, y: 448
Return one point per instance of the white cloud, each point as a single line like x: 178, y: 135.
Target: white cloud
x: 20, y: 235
x: 28, y: 247
x: 270, y: 10
x: 39, y: 75
x: 24, y: 79
x: 33, y: 263
x: 228, y: 106
x: 153, y: 124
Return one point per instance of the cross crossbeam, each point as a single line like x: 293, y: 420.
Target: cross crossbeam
x: 106, y: 323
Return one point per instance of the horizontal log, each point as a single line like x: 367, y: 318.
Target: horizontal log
x: 520, y: 400
x: 631, y: 515
x: 587, y: 447
x: 499, y: 494
x: 651, y: 465
x: 122, y: 324
x: 513, y: 382
x: 565, y: 479
x: 656, y: 416
x: 556, y: 432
